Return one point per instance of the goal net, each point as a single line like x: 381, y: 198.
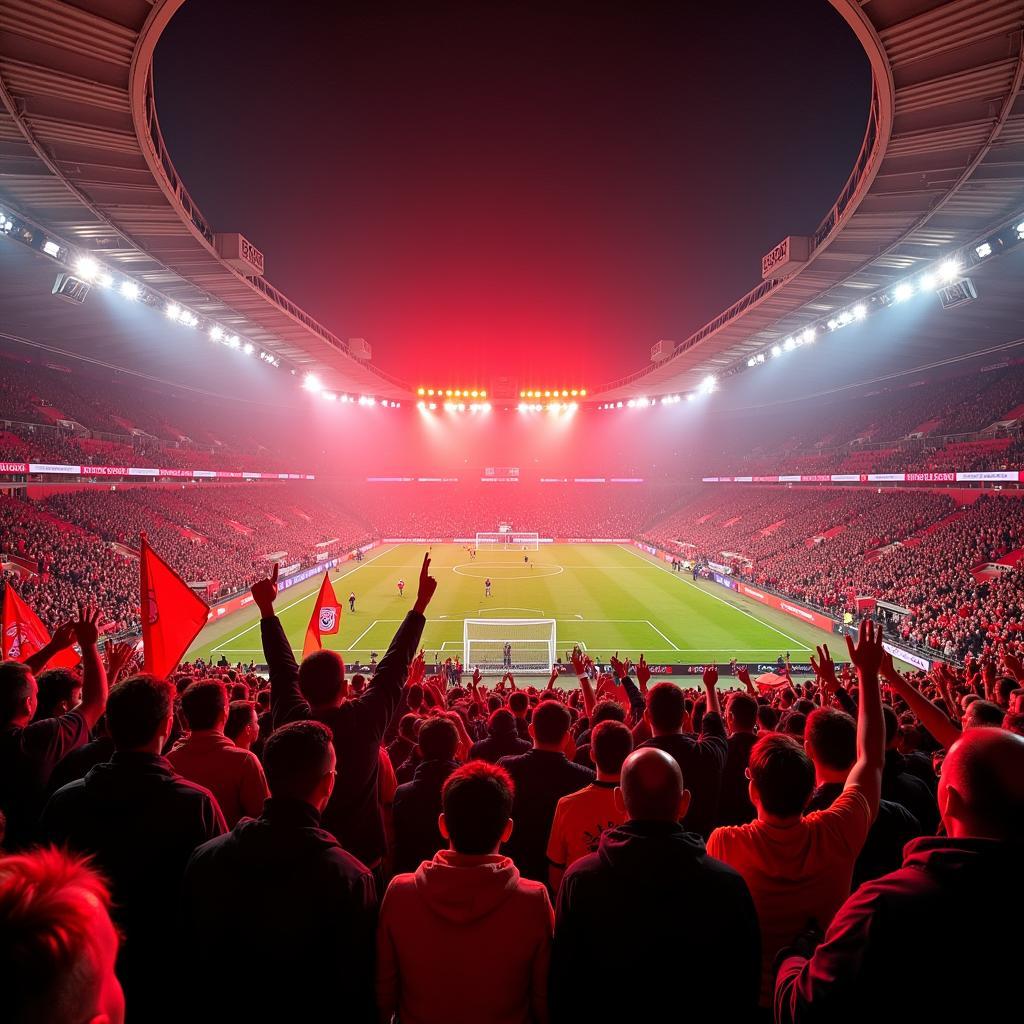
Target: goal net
x: 519, y: 646
x: 508, y: 541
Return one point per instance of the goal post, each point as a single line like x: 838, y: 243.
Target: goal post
x: 517, y: 540
x: 519, y: 646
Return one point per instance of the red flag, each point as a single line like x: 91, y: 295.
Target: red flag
x: 326, y: 617
x: 24, y: 634
x: 172, y: 613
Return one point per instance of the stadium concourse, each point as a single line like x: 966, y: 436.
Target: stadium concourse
x: 455, y: 679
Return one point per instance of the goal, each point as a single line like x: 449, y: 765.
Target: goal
x: 508, y: 541
x: 520, y: 646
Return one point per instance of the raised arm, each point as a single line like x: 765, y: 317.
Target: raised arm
x: 579, y: 666
x: 94, y: 675
x: 866, y: 656
x: 286, y: 701
x: 63, y: 638
x: 945, y: 731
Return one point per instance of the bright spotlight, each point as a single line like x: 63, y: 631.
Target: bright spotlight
x: 903, y: 291
x: 87, y: 268
x: 709, y: 384
x: 172, y: 310
x: 808, y: 336
x: 311, y: 382
x: 926, y: 282
x: 216, y: 333
x: 832, y: 324
x: 233, y: 341
x: 631, y: 403
x: 846, y: 317
x: 104, y: 279
x: 329, y: 396
x: 776, y: 351
x: 760, y: 357
x: 949, y: 270
x: 1020, y: 230
x: 788, y: 345
x: 485, y: 407
x: 247, y: 348
x: 129, y: 290
x: 860, y: 311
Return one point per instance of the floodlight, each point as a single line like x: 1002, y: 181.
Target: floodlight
x: 776, y: 351
x: 311, y: 382
x: 903, y: 291
x: 949, y: 270
x: 709, y: 384
x: 926, y: 282
x: 216, y: 333
x: 247, y: 348
x: 832, y: 324
x: 129, y: 290
x: 788, y: 345
x: 104, y: 279
x: 808, y: 336
x: 86, y: 268
x: 173, y: 310
x: 1020, y: 230
x: 860, y: 311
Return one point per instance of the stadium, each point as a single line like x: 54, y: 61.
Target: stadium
x: 601, y: 424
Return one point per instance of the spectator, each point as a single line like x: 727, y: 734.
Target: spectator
x: 466, y: 939
x: 950, y: 890
x: 502, y: 739
x: 542, y: 776
x: 402, y: 745
x: 58, y: 945
x: 702, y: 758
x: 652, y: 878
x: 734, y: 806
x: 141, y: 821
x: 242, y: 726
x: 207, y: 757
x: 281, y: 887
x: 417, y: 804
x: 316, y: 690
x: 60, y: 691
x: 831, y: 744
x: 30, y: 750
x: 582, y: 817
x: 800, y: 867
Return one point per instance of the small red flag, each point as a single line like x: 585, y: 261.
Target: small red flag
x: 172, y: 613
x: 326, y: 617
x: 24, y: 634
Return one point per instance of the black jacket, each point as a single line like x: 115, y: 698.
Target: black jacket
x: 278, y: 923
x: 734, y: 806
x: 494, y: 748
x: 142, y: 822
x: 893, y: 827
x: 687, y: 918
x: 922, y: 943
x: 353, y: 813
x: 702, y: 760
x: 542, y: 778
x: 904, y: 786
x: 414, y: 815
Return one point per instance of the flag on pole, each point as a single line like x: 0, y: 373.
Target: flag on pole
x: 172, y: 613
x: 24, y: 634
x: 326, y: 617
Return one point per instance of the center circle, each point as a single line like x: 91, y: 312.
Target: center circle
x: 497, y: 570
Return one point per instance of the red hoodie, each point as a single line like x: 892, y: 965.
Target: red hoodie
x: 462, y: 941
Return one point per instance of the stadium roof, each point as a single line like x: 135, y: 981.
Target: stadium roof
x: 81, y: 155
x: 942, y: 163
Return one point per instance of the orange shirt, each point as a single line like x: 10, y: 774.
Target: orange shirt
x: 795, y: 872
x: 579, y: 820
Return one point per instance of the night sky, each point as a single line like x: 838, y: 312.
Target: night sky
x: 541, y: 189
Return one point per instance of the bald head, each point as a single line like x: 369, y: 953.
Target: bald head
x: 652, y: 786
x: 981, y: 792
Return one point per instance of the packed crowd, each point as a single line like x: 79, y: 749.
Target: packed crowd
x: 406, y: 847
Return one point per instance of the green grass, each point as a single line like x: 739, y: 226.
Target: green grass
x: 605, y: 597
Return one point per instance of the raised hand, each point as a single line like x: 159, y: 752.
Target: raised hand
x: 63, y: 636
x: 579, y: 662
x: 711, y: 676
x: 643, y: 672
x: 87, y: 626
x: 825, y: 670
x: 620, y: 668
x: 866, y: 654
x: 476, y: 677
x: 743, y: 675
x: 1013, y: 666
x: 427, y: 586
x: 264, y: 593
x: 118, y: 655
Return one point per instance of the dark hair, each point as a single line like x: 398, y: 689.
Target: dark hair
x: 832, y: 735
x: 409, y: 726
x: 263, y: 700
x: 358, y: 683
x: 610, y: 744
x: 55, y: 685
x: 518, y: 702
x: 743, y: 709
x: 501, y: 723
x: 767, y: 717
x: 796, y: 722
x: 608, y: 711
x: 983, y: 713
x: 321, y: 676
x: 782, y: 773
x: 204, y: 703
x: 665, y: 707
x: 438, y: 739
x: 136, y: 708
x: 240, y: 714
x: 477, y: 803
x: 239, y: 691
x: 551, y: 722
x: 15, y: 688
x: 296, y: 757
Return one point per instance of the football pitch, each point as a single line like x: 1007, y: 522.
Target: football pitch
x: 604, y: 597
